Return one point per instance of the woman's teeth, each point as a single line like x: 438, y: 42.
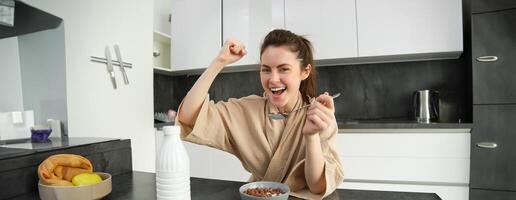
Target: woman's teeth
x: 278, y: 90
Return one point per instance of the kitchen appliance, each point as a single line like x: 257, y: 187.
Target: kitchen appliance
x: 426, y: 106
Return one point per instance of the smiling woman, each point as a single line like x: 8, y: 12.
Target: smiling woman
x: 298, y: 150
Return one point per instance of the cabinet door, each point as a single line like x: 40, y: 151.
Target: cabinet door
x: 478, y: 6
x: 493, y: 35
x: 95, y: 109
x: 249, y: 21
x: 399, y: 27
x: 161, y: 16
x: 493, y: 167
x: 195, y: 34
x: 329, y: 24
x: 475, y: 194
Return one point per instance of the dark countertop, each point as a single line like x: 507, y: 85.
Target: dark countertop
x: 142, y: 185
x: 400, y: 124
x: 381, y: 124
x: 25, y: 147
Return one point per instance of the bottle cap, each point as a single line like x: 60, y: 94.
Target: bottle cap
x: 170, y: 130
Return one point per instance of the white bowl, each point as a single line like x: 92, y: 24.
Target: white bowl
x: 265, y: 184
x: 87, y: 192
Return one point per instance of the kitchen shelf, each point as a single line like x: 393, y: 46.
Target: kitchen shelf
x: 161, y: 47
x: 162, y: 37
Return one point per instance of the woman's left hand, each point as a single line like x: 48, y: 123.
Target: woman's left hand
x: 320, y: 115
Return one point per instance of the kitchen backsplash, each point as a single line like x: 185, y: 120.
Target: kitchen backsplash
x: 370, y: 91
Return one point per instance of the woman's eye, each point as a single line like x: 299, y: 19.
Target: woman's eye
x: 284, y: 69
x: 265, y: 70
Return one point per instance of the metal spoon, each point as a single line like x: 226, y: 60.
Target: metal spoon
x: 281, y: 116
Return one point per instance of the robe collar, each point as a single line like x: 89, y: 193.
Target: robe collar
x: 289, y: 144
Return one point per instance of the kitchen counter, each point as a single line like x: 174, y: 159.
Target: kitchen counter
x: 25, y: 147
x: 19, y: 162
x: 400, y: 124
x: 142, y: 185
x: 380, y: 124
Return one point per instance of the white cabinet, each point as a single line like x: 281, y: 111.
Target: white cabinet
x: 249, y: 21
x: 95, y: 109
x: 329, y: 24
x: 401, y: 27
x: 207, y: 162
x: 161, y: 52
x: 161, y: 46
x: 417, y: 160
x: 195, y: 33
x: 162, y: 16
x: 341, y: 31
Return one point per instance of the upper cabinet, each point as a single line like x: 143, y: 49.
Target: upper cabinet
x: 404, y: 29
x: 195, y: 33
x: 329, y: 24
x: 479, y: 6
x: 162, y: 16
x: 341, y: 31
x: 249, y: 21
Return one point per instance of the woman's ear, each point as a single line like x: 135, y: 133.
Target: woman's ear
x: 306, y: 72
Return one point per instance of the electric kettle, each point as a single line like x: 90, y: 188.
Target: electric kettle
x: 426, y: 106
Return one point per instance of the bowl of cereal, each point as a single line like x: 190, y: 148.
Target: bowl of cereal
x: 264, y: 190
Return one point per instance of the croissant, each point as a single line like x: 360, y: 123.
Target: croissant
x: 59, y: 169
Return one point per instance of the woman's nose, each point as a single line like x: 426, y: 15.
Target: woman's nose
x: 275, y: 76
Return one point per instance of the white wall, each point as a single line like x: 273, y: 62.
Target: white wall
x: 95, y: 109
x: 11, y: 98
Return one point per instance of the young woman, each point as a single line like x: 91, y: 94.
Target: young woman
x: 298, y: 150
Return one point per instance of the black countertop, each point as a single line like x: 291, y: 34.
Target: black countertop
x: 381, y: 124
x: 25, y: 147
x: 142, y: 185
x: 400, y: 124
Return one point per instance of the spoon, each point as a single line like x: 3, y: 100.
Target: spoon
x: 280, y: 116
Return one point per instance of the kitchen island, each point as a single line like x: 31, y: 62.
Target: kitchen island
x: 142, y: 185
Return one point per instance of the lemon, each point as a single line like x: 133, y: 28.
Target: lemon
x: 86, y: 179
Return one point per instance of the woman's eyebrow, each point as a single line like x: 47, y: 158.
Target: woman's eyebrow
x: 280, y: 65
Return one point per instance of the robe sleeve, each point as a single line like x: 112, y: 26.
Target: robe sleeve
x: 216, y: 123
x: 333, y: 173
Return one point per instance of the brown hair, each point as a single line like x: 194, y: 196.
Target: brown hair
x: 303, y: 48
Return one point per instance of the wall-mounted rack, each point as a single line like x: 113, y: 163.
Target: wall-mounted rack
x: 104, y: 61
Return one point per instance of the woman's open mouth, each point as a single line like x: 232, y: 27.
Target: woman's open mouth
x: 277, y: 91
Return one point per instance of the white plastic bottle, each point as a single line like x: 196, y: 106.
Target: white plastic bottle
x: 172, y: 167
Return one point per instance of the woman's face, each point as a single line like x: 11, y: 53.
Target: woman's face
x: 281, y: 76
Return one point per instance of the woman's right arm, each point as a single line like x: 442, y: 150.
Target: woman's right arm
x: 231, y: 52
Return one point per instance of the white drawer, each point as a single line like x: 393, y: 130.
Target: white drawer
x: 437, y: 158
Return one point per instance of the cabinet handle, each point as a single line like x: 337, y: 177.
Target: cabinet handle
x: 487, y: 145
x: 487, y: 58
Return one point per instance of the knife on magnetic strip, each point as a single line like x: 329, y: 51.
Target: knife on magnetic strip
x: 121, y: 64
x: 110, y: 67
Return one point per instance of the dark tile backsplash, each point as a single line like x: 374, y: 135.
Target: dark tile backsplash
x: 370, y: 91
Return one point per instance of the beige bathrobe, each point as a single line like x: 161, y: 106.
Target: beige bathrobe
x: 271, y: 150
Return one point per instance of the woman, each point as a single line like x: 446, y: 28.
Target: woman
x: 298, y: 150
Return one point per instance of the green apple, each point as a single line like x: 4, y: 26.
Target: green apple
x: 86, y: 179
